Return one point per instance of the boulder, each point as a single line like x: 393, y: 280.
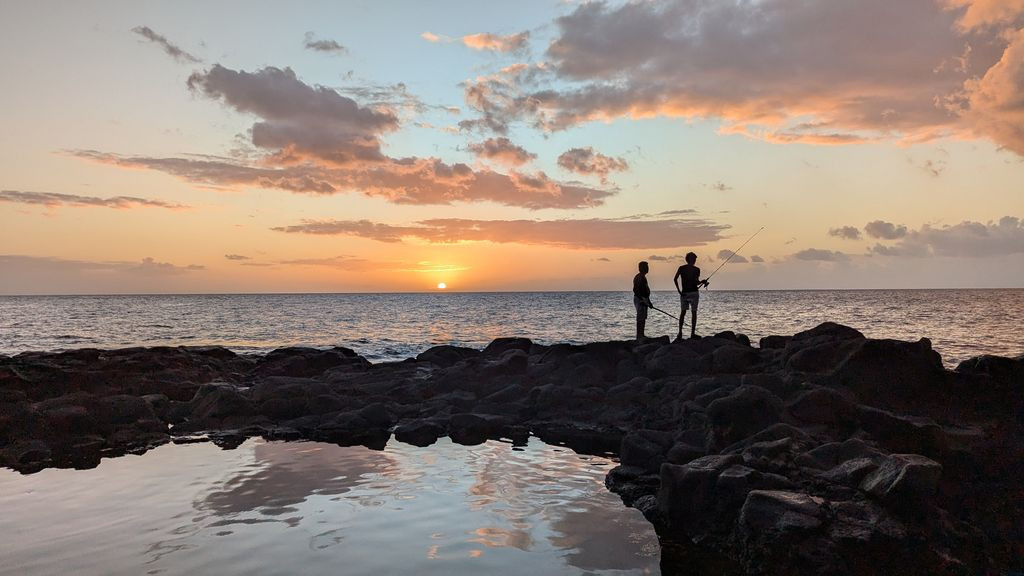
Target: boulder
x: 735, y: 359
x: 748, y: 410
x: 686, y: 494
x: 418, y: 432
x: 501, y: 345
x: 851, y: 472
x: 445, y: 356
x: 823, y: 406
x: 673, y: 360
x: 903, y: 481
x: 915, y: 434
x: 645, y: 449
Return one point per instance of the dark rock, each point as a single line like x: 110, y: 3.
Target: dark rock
x: 645, y: 449
x: 219, y: 401
x: 686, y: 495
x: 472, y: 429
x: 446, y: 356
x: 913, y: 434
x: 418, y: 433
x: 673, y: 360
x: 773, y: 342
x: 306, y: 362
x: 903, y: 481
x: 748, y: 410
x: 832, y: 454
x: 501, y: 345
x: 734, y: 359
x: 890, y: 373
x: 683, y: 453
x: 824, y: 406
x: 376, y: 415
x: 851, y: 472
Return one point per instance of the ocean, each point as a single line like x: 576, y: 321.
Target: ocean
x: 386, y: 327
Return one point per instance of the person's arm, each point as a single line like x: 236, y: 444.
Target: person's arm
x: 700, y: 282
x: 675, y: 279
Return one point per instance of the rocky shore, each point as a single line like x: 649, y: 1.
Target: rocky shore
x: 823, y: 452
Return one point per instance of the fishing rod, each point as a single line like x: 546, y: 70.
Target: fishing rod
x: 663, y: 312
x: 735, y: 252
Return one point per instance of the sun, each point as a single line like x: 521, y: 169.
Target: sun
x: 441, y: 285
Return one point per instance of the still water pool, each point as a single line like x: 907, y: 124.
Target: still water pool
x: 314, y: 508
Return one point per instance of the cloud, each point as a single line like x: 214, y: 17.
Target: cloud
x: 586, y: 161
x: 431, y: 37
x: 502, y: 150
x: 815, y: 254
x: 845, y: 232
x: 736, y: 258
x: 781, y: 71
x: 585, y: 234
x: 756, y: 259
x: 299, y: 122
x: 171, y: 50
x: 993, y: 104
x: 317, y: 141
x: 329, y: 46
x: 967, y: 239
x: 987, y: 13
x: 497, y: 43
x: 54, y: 199
x: 602, y: 259
x: 885, y: 230
x: 401, y: 181
x: 236, y: 257
x: 145, y: 267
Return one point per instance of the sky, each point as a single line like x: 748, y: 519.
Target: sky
x: 176, y: 147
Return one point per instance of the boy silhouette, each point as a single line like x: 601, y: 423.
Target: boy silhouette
x: 689, y: 293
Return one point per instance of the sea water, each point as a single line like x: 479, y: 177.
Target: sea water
x: 384, y: 327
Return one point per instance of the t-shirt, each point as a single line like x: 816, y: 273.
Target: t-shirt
x: 690, y: 276
x: 640, y: 288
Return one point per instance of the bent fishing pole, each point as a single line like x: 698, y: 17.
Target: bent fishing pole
x: 663, y: 312
x: 735, y: 252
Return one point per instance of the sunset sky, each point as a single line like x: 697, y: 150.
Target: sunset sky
x: 390, y: 146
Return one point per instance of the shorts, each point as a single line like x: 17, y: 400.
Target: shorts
x: 689, y: 299
x: 641, y: 308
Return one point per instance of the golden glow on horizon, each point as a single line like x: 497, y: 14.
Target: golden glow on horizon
x: 441, y: 285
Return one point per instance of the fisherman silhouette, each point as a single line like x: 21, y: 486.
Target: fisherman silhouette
x: 641, y: 299
x: 689, y: 293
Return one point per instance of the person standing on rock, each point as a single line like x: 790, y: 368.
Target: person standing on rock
x: 689, y: 293
x: 641, y: 299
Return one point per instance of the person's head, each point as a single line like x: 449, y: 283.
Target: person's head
x: 691, y: 258
x: 643, y: 267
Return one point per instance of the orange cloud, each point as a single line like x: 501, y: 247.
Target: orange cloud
x: 317, y: 141
x: 402, y: 181
x: 502, y: 150
x: 54, y: 199
x: 497, y: 43
x: 661, y: 231
x: 774, y: 71
x: 586, y: 161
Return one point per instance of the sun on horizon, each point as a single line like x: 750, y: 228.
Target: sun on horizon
x: 441, y: 285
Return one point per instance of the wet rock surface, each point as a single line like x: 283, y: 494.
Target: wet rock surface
x: 822, y: 452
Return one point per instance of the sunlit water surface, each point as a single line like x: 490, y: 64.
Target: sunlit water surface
x: 314, y: 508
x: 960, y: 323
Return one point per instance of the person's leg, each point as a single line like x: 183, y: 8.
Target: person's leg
x: 641, y: 319
x: 693, y: 300
x: 682, y: 316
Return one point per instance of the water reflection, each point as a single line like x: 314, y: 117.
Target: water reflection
x: 272, y: 507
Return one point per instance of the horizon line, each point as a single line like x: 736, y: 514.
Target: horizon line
x: 56, y: 294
